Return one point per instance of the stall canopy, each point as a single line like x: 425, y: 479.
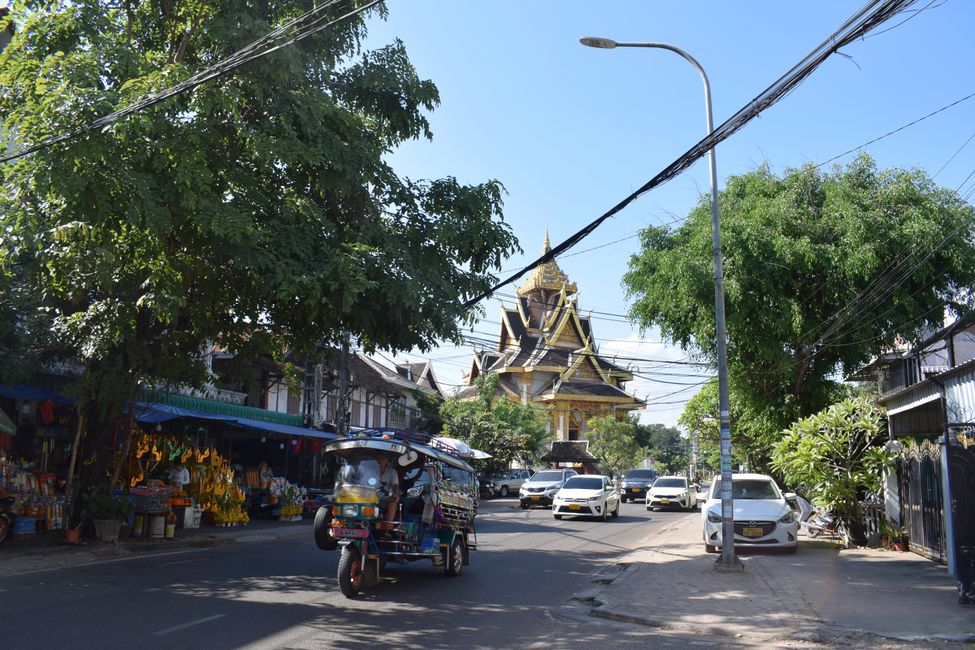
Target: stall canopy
x: 154, y: 413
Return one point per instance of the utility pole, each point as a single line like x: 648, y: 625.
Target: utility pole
x: 342, y: 417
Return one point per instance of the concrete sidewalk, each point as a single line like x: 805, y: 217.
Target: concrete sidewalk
x: 49, y: 552
x: 821, y: 594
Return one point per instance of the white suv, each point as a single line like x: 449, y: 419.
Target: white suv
x: 672, y: 491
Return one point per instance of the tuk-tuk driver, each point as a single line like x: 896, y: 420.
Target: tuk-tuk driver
x: 389, y: 485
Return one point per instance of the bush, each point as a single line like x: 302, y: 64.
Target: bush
x: 99, y: 505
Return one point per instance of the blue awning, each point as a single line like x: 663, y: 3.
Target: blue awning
x: 29, y: 393
x: 154, y: 413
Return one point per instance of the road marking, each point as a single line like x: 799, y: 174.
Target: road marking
x: 199, y: 559
x: 190, y: 624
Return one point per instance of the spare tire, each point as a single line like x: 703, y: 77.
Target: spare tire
x: 323, y: 529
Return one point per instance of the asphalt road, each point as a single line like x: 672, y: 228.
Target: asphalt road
x: 517, y: 592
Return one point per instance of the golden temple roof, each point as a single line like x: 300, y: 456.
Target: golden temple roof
x: 547, y: 276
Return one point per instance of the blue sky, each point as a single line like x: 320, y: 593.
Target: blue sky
x: 571, y: 130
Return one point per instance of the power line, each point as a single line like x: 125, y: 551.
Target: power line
x: 899, y: 129
x: 243, y: 56
x: 861, y: 23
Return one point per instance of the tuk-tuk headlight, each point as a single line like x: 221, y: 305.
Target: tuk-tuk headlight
x: 350, y: 511
x: 368, y: 511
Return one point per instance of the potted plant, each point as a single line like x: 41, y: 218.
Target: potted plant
x: 893, y: 536
x: 105, y: 512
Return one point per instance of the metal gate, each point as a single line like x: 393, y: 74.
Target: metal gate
x: 961, y: 477
x: 922, y: 509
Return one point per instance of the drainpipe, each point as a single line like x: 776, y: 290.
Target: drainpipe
x: 946, y: 486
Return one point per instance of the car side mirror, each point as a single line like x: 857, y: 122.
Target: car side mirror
x: 789, y: 496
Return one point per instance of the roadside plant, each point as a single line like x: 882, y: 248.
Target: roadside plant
x: 837, y: 457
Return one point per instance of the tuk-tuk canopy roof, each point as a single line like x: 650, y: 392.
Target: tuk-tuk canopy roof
x: 392, y: 442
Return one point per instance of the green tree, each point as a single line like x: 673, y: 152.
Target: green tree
x: 613, y: 442
x: 666, y: 445
x: 821, y: 270
x: 505, y: 429
x: 257, y: 211
x: 837, y: 457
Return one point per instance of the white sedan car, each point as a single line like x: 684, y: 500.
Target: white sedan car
x: 762, y: 517
x: 672, y: 492
x: 588, y: 495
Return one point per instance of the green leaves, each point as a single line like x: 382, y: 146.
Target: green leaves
x: 257, y: 207
x: 822, y: 270
x: 505, y: 429
x: 836, y: 456
x: 614, y: 443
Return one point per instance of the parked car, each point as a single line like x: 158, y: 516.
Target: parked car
x: 509, y: 482
x: 670, y: 492
x: 540, y: 489
x: 314, y: 499
x: 636, y: 482
x: 588, y: 495
x: 762, y: 516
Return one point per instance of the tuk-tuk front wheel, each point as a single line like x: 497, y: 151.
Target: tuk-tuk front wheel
x: 455, y: 557
x: 350, y: 571
x: 323, y: 533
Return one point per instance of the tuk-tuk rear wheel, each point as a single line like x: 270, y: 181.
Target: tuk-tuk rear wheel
x: 455, y: 557
x: 350, y: 571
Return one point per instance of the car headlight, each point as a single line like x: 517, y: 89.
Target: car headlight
x: 714, y: 517
x: 787, y: 518
x: 595, y: 498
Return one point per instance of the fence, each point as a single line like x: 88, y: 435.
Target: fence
x: 872, y: 511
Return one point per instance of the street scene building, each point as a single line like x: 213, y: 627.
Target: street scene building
x: 547, y: 356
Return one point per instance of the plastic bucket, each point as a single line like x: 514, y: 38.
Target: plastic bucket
x: 157, y: 526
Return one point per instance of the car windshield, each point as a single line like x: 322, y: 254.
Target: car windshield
x: 641, y: 473
x: 547, y: 476
x: 670, y: 483
x: 753, y: 489
x: 583, y: 483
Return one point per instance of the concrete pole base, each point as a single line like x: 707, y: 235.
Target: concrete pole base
x: 721, y: 567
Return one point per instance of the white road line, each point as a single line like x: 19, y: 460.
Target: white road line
x: 199, y: 559
x: 190, y: 624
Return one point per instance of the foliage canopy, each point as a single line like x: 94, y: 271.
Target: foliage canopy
x: 822, y: 269
x: 257, y: 211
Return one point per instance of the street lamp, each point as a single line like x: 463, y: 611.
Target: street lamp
x: 727, y: 561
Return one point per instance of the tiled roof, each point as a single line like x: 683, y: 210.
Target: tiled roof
x: 595, y: 389
x: 569, y: 451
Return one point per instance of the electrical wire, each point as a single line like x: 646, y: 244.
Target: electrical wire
x: 241, y: 57
x: 861, y: 23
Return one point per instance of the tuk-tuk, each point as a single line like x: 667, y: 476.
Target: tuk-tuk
x: 433, y: 519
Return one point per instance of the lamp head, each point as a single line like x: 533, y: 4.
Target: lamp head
x: 595, y: 41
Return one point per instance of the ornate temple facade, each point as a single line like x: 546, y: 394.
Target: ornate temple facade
x: 547, y: 356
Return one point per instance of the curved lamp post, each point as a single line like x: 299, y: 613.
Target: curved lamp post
x: 727, y: 560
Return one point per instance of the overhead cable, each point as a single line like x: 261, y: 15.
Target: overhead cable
x: 861, y: 23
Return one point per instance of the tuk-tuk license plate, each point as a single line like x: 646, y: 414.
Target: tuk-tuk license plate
x: 536, y: 498
x: 355, y: 533
x: 575, y: 506
x: 751, y: 532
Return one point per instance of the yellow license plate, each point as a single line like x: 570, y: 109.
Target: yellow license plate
x: 634, y: 489
x: 751, y: 532
x: 574, y: 506
x: 665, y: 501
x: 536, y: 498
